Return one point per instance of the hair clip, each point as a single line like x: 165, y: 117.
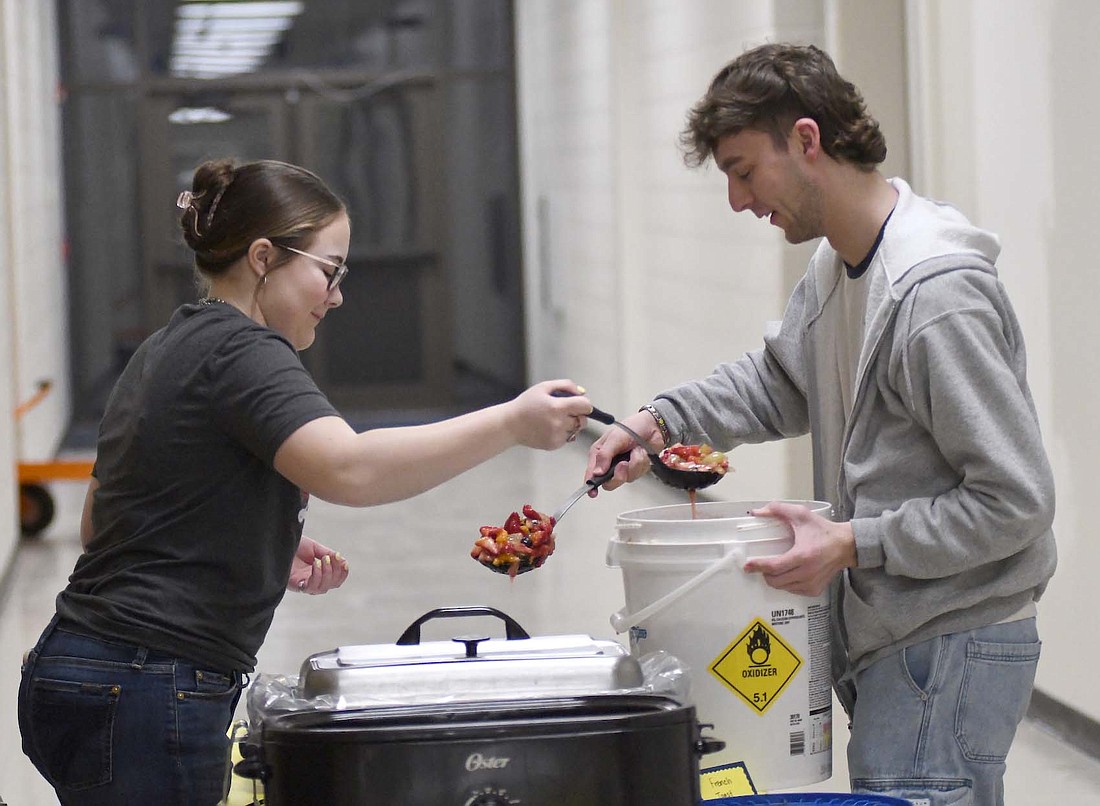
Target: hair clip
x: 183, y: 201
x: 214, y: 206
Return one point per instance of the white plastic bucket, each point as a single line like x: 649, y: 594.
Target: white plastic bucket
x: 759, y: 657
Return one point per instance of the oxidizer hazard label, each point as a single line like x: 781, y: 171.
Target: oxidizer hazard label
x: 757, y: 666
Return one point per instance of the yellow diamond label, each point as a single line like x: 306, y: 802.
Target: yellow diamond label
x: 757, y: 666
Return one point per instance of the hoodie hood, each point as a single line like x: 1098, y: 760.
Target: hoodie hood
x: 919, y: 231
x: 908, y: 241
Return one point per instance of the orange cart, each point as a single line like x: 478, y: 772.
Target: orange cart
x: 36, y: 505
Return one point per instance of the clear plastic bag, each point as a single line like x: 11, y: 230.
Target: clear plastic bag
x: 275, y: 695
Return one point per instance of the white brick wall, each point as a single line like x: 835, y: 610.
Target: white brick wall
x: 568, y: 170
x: 8, y: 500
x: 34, y: 345
x: 642, y: 251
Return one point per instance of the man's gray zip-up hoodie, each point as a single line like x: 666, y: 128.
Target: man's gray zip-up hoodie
x: 940, y: 469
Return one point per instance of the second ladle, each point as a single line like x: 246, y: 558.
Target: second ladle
x: 672, y: 476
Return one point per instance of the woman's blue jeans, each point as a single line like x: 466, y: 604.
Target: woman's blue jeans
x: 109, y: 723
x: 934, y: 722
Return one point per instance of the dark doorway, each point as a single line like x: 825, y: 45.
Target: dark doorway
x: 405, y: 107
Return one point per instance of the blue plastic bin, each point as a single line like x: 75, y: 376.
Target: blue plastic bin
x: 808, y: 799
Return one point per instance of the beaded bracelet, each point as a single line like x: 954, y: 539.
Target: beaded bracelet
x: 662, y: 426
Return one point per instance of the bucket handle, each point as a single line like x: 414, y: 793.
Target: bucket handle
x: 621, y: 621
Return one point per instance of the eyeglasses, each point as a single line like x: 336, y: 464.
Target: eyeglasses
x: 335, y: 278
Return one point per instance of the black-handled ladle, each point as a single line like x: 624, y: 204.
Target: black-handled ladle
x: 590, y: 485
x: 672, y: 476
x: 594, y: 482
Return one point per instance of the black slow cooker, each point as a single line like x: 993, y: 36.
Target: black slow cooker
x: 544, y: 742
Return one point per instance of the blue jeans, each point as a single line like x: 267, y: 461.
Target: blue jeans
x: 107, y: 723
x: 934, y: 722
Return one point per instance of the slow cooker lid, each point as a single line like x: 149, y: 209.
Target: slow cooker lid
x: 455, y: 650
x: 468, y: 667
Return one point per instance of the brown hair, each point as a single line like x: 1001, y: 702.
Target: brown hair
x: 231, y: 205
x: 767, y: 89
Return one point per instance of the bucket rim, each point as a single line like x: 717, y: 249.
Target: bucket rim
x: 652, y: 514
x: 703, y: 545
x: 677, y: 555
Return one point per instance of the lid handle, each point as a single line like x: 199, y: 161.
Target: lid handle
x: 512, y: 630
x: 471, y: 642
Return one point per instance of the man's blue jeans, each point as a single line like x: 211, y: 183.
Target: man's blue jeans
x: 107, y: 723
x: 934, y: 722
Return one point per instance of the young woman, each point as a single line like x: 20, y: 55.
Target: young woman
x: 212, y: 442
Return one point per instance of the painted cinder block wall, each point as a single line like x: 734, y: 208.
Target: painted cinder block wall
x: 33, y: 298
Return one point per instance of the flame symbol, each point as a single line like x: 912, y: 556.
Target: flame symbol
x: 760, y: 646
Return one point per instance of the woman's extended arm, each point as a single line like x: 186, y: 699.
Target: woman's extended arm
x: 328, y: 459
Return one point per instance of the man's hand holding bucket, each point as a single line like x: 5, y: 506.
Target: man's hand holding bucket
x: 821, y: 549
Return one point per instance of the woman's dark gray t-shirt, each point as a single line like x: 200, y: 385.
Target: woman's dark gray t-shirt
x: 194, y: 530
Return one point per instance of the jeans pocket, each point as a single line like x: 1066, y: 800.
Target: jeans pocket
x: 996, y: 688
x: 918, y: 791
x: 205, y: 702
x: 921, y: 663
x: 75, y: 726
x: 212, y: 685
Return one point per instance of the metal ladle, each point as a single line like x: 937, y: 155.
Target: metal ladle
x: 591, y: 484
x: 580, y: 493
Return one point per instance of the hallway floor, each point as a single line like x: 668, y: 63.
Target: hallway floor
x: 388, y: 589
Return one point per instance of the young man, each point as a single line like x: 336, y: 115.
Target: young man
x: 901, y: 355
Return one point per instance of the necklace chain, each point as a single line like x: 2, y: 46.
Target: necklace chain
x: 212, y: 300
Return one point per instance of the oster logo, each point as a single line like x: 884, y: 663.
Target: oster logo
x: 476, y: 761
